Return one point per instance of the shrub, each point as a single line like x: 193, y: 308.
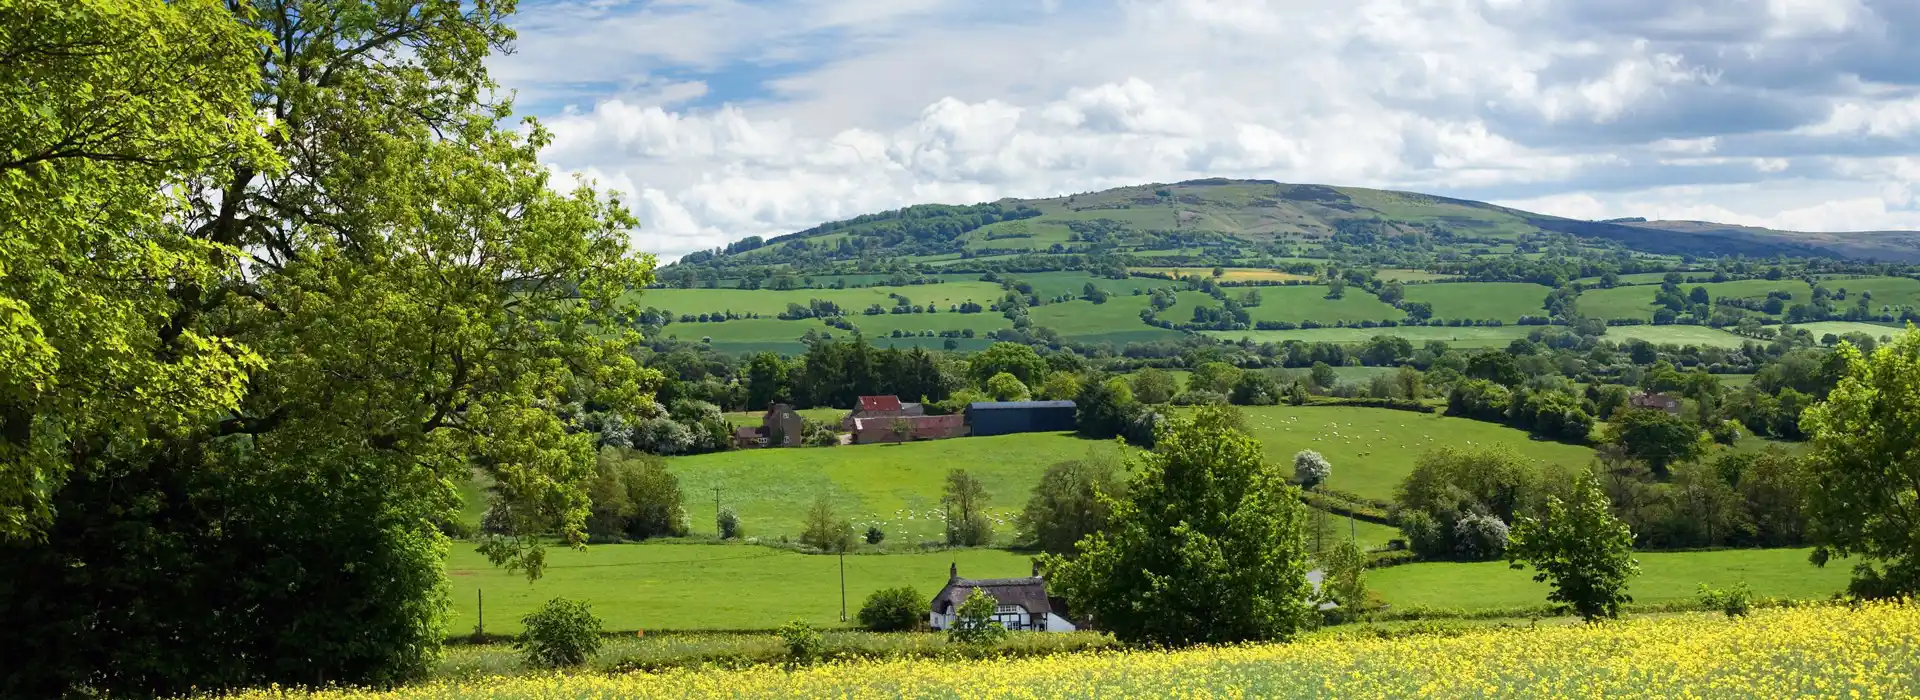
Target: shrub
x: 1311, y: 469
x: 728, y: 524
x: 804, y: 644
x: 973, y: 623
x: 634, y: 497
x: 892, y: 610
x: 875, y: 535
x: 1066, y: 504
x: 817, y: 435
x: 1735, y: 601
x: 1199, y: 397
x: 1479, y: 537
x: 561, y: 633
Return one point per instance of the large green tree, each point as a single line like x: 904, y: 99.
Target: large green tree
x: 1206, y: 547
x: 1864, y: 497
x: 1580, y: 549
x: 322, y: 340
x: 1656, y: 437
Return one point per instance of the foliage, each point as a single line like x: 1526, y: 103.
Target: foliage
x: 973, y: 622
x: 1006, y: 387
x: 1452, y: 484
x: 804, y: 644
x: 1104, y: 409
x: 818, y: 435
x: 893, y: 610
x: 561, y: 633
x: 1580, y: 549
x: 1864, y: 496
x: 634, y: 497
x: 825, y: 529
x: 1656, y: 437
x: 874, y: 535
x: 1060, y: 386
x: 1207, y: 545
x: 1310, y: 469
x: 1070, y: 502
x: 1345, y: 582
x: 965, y: 500
x: 1152, y: 386
x: 1010, y: 358
x: 1735, y: 600
x: 727, y: 523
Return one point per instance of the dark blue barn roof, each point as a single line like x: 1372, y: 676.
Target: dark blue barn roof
x: 991, y: 405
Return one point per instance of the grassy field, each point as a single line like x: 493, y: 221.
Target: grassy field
x: 1664, y: 577
x: 895, y: 487
x: 1232, y: 274
x: 702, y: 586
x: 1503, y: 301
x: 1897, y: 291
x: 1372, y: 449
x: 1637, y: 301
x: 1309, y: 303
x: 1677, y: 335
x: 1397, y: 275
x: 1466, y: 337
x: 768, y: 302
x: 1876, y: 331
x: 1825, y: 651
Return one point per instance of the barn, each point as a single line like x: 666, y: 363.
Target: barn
x: 1006, y: 417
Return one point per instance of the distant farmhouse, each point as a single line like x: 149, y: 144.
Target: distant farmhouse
x: 1023, y: 603
x: 1655, y: 401
x: 881, y: 419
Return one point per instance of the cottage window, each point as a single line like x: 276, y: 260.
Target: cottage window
x: 1012, y: 617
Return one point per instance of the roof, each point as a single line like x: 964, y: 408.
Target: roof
x: 1029, y: 593
x: 747, y: 431
x: 879, y: 403
x: 999, y: 405
x: 918, y: 423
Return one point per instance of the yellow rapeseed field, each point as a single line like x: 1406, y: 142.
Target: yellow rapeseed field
x: 1828, y: 652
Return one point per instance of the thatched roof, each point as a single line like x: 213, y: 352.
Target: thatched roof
x: 1029, y: 593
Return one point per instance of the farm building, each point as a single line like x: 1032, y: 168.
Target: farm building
x: 1004, y: 417
x: 874, y: 429
x: 782, y: 426
x: 1658, y: 402
x: 1023, y: 602
x: 880, y: 407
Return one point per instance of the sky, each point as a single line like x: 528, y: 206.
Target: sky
x: 720, y: 119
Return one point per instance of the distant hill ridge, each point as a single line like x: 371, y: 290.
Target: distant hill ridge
x: 1228, y: 219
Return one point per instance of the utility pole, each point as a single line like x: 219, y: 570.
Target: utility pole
x: 843, y: 583
x: 480, y: 607
x: 716, y: 509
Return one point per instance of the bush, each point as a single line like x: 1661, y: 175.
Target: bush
x: 561, y: 633
x: 1310, y: 469
x: 804, y: 644
x: 1479, y: 537
x: 634, y: 497
x: 728, y: 524
x: 892, y: 610
x: 973, y: 623
x: 1066, y: 504
x: 1735, y: 601
x: 1199, y: 397
x: 817, y: 435
x: 875, y: 535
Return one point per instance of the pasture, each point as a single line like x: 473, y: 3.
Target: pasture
x: 659, y: 586
x: 1873, y: 330
x: 1231, y: 274
x: 1702, y: 336
x: 1896, y: 291
x: 1309, y: 303
x: 1502, y: 301
x: 1637, y: 301
x: 1402, y: 275
x: 1372, y: 449
x: 1664, y: 577
x: 894, y: 487
x: 1461, y: 337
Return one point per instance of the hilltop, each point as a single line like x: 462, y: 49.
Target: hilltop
x: 1221, y: 221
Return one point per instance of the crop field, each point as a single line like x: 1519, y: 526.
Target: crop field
x: 1664, y: 577
x: 1813, y: 651
x: 659, y: 586
x: 1504, y: 301
x: 1372, y: 449
x: 1309, y: 303
x: 895, y: 487
x: 1232, y: 274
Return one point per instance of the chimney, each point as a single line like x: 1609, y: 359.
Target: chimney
x: 953, y: 571
x: 1036, y: 568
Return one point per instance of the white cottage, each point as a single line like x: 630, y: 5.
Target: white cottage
x: 1023, y: 602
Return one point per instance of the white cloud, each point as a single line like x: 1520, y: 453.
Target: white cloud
x: 837, y: 108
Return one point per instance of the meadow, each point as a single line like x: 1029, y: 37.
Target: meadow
x: 665, y: 585
x: 1637, y: 301
x: 1502, y: 301
x: 1470, y: 337
x: 1309, y: 303
x: 1231, y: 274
x: 1873, y: 330
x: 1665, y: 577
x: 1897, y: 291
x: 1811, y: 651
x: 1373, y: 449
